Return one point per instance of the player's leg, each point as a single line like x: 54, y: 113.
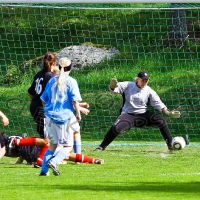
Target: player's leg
x: 43, y: 141
x: 65, y: 135
x: 51, y: 129
x: 31, y: 141
x: 47, y: 157
x: 124, y: 122
x: 75, y: 157
x: 158, y: 121
x: 77, y: 142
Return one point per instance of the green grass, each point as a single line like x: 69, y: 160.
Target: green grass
x: 130, y: 172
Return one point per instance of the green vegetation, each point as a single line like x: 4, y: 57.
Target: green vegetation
x: 142, y: 37
x: 129, y: 172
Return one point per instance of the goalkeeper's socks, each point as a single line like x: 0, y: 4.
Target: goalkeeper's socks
x: 85, y: 159
x: 41, y: 154
x: 77, y: 146
x: 47, y: 157
x: 109, y: 137
x: 59, y: 156
x: 25, y: 142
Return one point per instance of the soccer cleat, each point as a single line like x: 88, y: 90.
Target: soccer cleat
x: 187, y: 141
x: 24, y: 135
x: 37, y: 165
x: 99, y: 161
x: 99, y: 149
x: 44, y: 174
x: 54, y: 168
x: 170, y: 147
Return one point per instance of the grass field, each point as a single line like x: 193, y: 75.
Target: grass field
x: 143, y: 171
x: 130, y: 172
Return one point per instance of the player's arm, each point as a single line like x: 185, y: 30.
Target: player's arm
x: 159, y: 105
x: 77, y: 109
x: 84, y: 108
x: 31, y: 90
x: 118, y: 87
x: 30, y: 95
x: 4, y: 119
x: 2, y: 151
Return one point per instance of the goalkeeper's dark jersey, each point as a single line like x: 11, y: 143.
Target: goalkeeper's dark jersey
x: 28, y: 153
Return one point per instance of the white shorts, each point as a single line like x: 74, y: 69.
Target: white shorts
x: 62, y: 135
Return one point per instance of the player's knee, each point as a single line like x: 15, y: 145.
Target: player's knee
x: 42, y: 141
x: 116, y: 130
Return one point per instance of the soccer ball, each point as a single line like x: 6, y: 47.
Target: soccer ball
x: 178, y: 143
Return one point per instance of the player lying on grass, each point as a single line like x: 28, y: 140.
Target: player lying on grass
x: 135, y: 113
x: 30, y: 153
x: 21, y: 142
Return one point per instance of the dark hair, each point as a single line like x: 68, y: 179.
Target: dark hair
x: 67, y: 68
x: 49, y: 59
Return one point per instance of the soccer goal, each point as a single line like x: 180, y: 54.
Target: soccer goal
x: 104, y: 41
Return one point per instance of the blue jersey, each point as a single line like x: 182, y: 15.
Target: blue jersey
x: 59, y: 106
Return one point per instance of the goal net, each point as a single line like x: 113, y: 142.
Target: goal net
x: 104, y: 41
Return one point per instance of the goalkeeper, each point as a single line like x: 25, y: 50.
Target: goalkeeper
x: 134, y: 112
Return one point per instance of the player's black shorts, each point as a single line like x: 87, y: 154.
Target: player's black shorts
x: 39, y: 117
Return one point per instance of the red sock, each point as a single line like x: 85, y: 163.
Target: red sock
x: 41, y: 154
x: 25, y: 142
x: 85, y: 159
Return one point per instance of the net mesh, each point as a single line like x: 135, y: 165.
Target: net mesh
x: 104, y: 41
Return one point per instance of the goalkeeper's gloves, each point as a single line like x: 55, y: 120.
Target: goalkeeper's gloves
x: 113, y: 83
x: 172, y: 113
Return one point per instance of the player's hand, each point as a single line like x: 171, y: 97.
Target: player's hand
x: 84, y: 104
x: 173, y: 113
x: 113, y: 83
x: 84, y: 111
x: 5, y: 120
x: 78, y: 117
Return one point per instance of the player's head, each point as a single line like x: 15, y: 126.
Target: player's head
x: 65, y: 65
x: 142, y: 79
x: 49, y: 61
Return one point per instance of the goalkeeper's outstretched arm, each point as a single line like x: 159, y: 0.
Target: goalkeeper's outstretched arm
x: 171, y: 113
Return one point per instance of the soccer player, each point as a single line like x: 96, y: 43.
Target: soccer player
x: 134, y: 113
x: 61, y: 98
x: 36, y: 108
x: 30, y: 153
x: 83, y: 109
x: 8, y: 149
x: 5, y: 122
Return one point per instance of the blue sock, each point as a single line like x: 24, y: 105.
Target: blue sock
x: 77, y: 146
x: 47, y: 157
x: 59, y: 156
